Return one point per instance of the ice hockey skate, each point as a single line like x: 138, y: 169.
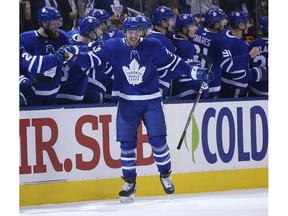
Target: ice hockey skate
x: 167, y: 184
x: 127, y: 194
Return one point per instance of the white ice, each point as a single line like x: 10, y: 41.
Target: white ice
x: 252, y: 202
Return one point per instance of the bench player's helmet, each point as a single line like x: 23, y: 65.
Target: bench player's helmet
x: 162, y: 13
x: 47, y: 14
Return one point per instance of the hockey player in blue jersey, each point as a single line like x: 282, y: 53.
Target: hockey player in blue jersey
x: 45, y: 41
x: 134, y: 59
x: 260, y: 89
x: 210, y: 42
x: 236, y: 72
x: 33, y: 67
x: 146, y: 25
x: 104, y: 18
x: 163, y: 20
x: 185, y: 88
x: 75, y: 79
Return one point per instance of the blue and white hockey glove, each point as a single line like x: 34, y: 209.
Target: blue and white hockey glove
x: 68, y: 53
x: 199, y: 73
x: 60, y: 54
x: 260, y: 74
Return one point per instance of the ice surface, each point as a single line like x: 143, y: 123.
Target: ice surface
x: 252, y: 202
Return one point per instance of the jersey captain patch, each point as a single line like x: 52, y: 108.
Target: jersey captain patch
x: 134, y: 74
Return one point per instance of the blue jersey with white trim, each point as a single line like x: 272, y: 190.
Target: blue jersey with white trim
x: 211, y: 44
x: 74, y: 80
x: 259, y: 88
x: 236, y: 72
x: 33, y: 66
x: 184, y: 88
x: 134, y: 68
x: 165, y: 77
x: 48, y: 85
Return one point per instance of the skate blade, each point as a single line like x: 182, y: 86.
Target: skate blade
x: 170, y: 196
x: 129, y: 199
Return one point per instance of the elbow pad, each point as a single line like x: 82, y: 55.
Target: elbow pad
x: 260, y: 74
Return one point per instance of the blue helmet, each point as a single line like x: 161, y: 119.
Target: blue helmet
x: 145, y: 21
x: 264, y: 24
x: 132, y: 23
x: 88, y: 24
x: 214, y: 15
x: 162, y: 12
x: 237, y: 17
x: 99, y: 14
x: 79, y: 22
x: 184, y: 20
x: 49, y: 13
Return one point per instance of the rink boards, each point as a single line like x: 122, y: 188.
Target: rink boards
x: 69, y: 154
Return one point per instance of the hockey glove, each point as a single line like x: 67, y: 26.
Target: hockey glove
x: 260, y: 74
x: 24, y: 83
x: 199, y: 73
x: 25, y: 86
x: 60, y: 54
x: 68, y: 53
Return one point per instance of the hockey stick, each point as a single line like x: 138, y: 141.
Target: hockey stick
x: 210, y: 65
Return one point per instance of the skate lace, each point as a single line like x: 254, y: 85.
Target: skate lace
x: 127, y: 186
x: 166, y: 182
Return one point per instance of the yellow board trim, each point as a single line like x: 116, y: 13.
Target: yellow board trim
x: 76, y: 191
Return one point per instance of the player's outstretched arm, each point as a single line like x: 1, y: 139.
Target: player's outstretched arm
x: 36, y: 65
x: 71, y: 55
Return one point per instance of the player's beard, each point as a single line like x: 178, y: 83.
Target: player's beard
x: 51, y: 33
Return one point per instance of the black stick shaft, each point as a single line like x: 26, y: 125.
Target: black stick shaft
x: 190, y: 115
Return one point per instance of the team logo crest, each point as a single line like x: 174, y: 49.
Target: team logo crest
x: 134, y: 74
x: 117, y: 8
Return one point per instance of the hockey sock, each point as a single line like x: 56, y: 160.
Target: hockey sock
x: 128, y: 159
x: 161, y: 153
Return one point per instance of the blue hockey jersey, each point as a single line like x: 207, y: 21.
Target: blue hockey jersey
x: 211, y: 44
x: 184, y: 88
x: 259, y: 88
x: 134, y: 68
x: 236, y: 72
x: 74, y: 80
x: 47, y: 84
x: 35, y: 66
x: 165, y: 77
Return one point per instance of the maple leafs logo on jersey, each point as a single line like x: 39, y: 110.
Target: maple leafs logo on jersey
x: 134, y: 74
x: 51, y: 72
